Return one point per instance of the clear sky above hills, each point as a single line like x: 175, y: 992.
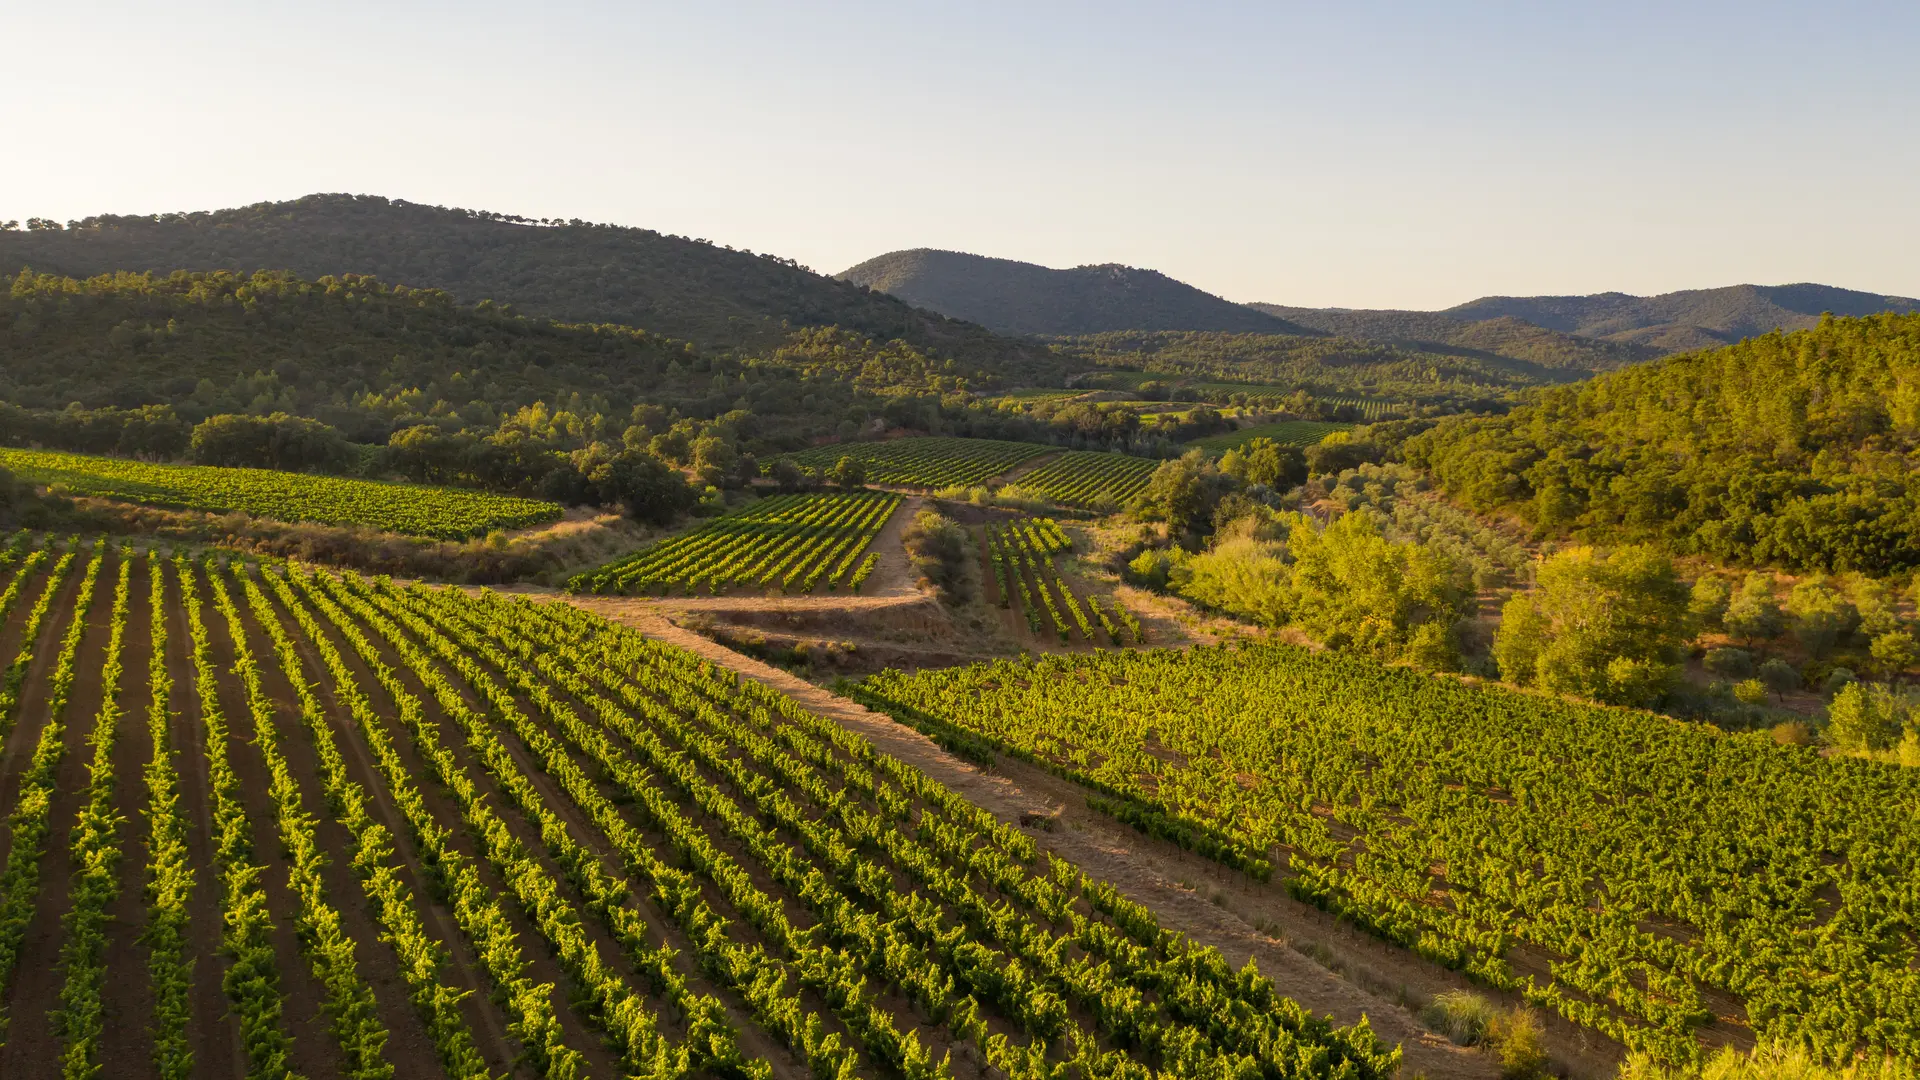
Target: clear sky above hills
x: 1409, y: 155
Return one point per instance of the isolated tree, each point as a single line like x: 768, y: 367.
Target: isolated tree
x: 1894, y: 651
x: 1707, y: 604
x: 1183, y: 492
x: 786, y: 474
x: 714, y: 459
x: 1607, y: 627
x: 849, y: 472
x: 1779, y: 676
x: 1864, y: 717
x: 1821, y: 616
x: 1353, y: 588
x: 1754, y: 615
x: 1729, y: 663
x: 1876, y: 603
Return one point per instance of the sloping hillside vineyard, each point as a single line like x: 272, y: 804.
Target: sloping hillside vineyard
x: 791, y: 542
x: 446, y: 513
x: 1661, y: 882
x: 928, y: 462
x: 505, y: 829
x: 1086, y: 477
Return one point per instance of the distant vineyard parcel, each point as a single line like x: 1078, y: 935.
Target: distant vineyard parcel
x: 446, y: 513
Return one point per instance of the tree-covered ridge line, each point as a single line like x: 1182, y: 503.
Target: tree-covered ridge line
x: 1797, y: 450
x: 573, y: 271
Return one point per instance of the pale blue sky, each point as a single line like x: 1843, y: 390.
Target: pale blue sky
x: 1412, y: 155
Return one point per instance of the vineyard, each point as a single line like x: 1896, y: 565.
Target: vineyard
x: 1020, y: 563
x: 1087, y: 478
x: 925, y: 462
x: 319, y: 825
x: 444, y: 513
x: 1657, y: 881
x: 1284, y: 432
x: 795, y: 543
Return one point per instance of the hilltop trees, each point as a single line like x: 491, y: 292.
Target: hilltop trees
x: 1799, y: 450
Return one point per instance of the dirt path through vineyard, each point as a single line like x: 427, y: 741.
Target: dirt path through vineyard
x: 1151, y: 873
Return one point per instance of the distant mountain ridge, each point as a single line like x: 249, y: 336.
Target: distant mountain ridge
x: 1502, y: 337
x: 1013, y: 297
x: 573, y: 271
x: 1682, y: 321
x: 1593, y: 333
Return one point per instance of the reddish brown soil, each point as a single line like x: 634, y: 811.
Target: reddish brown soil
x: 32, y: 1049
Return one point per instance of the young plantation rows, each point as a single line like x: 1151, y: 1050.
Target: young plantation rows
x: 1642, y: 876
x: 445, y: 513
x: 926, y: 462
x: 317, y: 825
x: 1087, y: 478
x: 1020, y: 561
x: 795, y: 543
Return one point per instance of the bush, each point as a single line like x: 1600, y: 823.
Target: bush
x: 1154, y: 567
x: 1779, y: 676
x: 1517, y: 1037
x: 1730, y: 663
x: 1460, y: 1015
x: 943, y: 552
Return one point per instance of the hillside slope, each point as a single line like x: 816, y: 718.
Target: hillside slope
x: 372, y: 359
x: 1023, y: 298
x: 574, y: 272
x: 1693, y: 319
x: 1800, y: 450
x: 1505, y: 336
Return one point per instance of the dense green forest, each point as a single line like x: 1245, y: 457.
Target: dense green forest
x: 275, y: 371
x: 369, y: 358
x: 1024, y: 298
x: 571, y: 271
x: 1798, y: 450
x: 1326, y: 366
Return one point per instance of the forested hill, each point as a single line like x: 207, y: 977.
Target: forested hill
x: 1502, y: 337
x: 1693, y: 319
x: 371, y: 359
x: 1795, y: 449
x: 1023, y: 298
x: 573, y: 271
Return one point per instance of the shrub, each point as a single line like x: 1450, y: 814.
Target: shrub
x: 1517, y: 1037
x: 943, y: 553
x: 1461, y: 1015
x: 1730, y: 663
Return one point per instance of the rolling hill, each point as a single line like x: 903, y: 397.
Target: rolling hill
x: 573, y: 272
x: 1797, y: 450
x: 1024, y: 298
x: 1679, y: 321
